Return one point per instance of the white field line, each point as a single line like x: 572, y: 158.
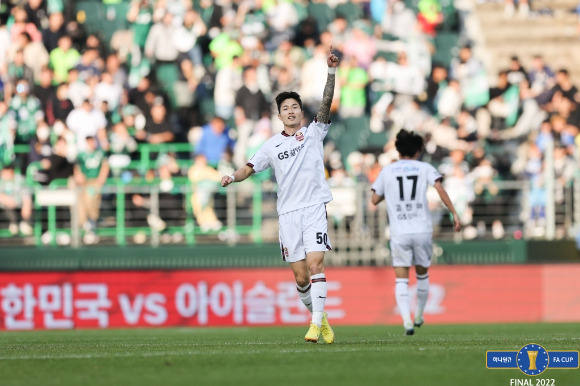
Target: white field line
x: 214, y: 352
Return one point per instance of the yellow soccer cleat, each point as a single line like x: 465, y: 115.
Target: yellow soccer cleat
x: 326, y: 330
x: 313, y: 333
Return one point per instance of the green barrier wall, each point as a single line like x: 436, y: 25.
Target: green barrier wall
x: 267, y: 255
x: 482, y: 252
x: 139, y: 257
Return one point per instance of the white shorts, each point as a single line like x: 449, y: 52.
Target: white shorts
x: 414, y: 249
x: 303, y: 231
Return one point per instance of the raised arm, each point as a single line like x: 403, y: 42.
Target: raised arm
x: 239, y: 175
x: 323, y: 114
x: 447, y: 201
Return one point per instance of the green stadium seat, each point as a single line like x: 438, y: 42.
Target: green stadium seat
x: 89, y: 14
x: 445, y: 45
x: 350, y: 11
x: 322, y: 13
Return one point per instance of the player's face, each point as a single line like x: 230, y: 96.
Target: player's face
x: 290, y: 113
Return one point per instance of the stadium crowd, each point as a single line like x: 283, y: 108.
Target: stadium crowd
x: 206, y: 73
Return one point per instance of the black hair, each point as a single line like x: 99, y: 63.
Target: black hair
x: 288, y: 95
x: 408, y: 143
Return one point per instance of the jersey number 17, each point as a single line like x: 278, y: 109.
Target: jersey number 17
x: 413, y: 190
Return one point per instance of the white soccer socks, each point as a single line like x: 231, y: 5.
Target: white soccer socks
x: 318, y: 293
x: 422, y: 294
x: 304, y: 295
x: 402, y: 296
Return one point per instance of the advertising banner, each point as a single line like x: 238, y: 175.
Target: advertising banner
x: 265, y: 297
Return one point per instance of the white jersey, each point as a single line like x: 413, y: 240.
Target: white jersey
x: 298, y: 164
x: 404, y: 186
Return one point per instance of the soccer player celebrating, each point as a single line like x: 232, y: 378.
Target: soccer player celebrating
x: 296, y: 157
x: 404, y: 185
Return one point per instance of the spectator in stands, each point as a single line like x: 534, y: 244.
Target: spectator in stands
x: 488, y: 201
x: 22, y: 24
x: 205, y: 182
x: 37, y: 13
x: 541, y: 77
x: 353, y: 80
x: 40, y: 150
x: 114, y: 67
x: 282, y: 18
x: 88, y: 122
x: 228, y: 82
x: 123, y: 145
x: 436, y: 83
x: 408, y: 81
x: 17, y: 69
x: 142, y: 96
x: 429, y: 16
x: 89, y: 65
x: 310, y: 84
x: 63, y: 58
x: 78, y: 90
x: 15, y: 195
x: 510, y: 9
x: 108, y: 91
x: 140, y: 16
x: 251, y: 106
x: 91, y: 172
x: 564, y: 168
x: 565, y: 87
x: 397, y: 19
x: 186, y: 36
x: 44, y: 90
x: 60, y: 163
x: 470, y: 73
x: 498, y: 107
x: 516, y: 73
x: 361, y: 46
x: 290, y: 57
x: 26, y: 111
x: 215, y: 141
x: 55, y: 30
x: 7, y: 135
x: 284, y: 81
x: 159, y: 46
x: 158, y: 128
x: 460, y: 188
x: 59, y: 106
x: 35, y: 55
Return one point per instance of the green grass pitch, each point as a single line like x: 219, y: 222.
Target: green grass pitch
x: 371, y: 355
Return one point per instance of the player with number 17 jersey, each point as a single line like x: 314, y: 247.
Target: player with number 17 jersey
x: 404, y: 185
x: 298, y: 164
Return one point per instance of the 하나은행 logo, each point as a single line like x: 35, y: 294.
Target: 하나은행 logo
x: 532, y: 359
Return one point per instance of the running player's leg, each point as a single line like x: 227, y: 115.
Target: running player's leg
x: 402, y: 297
x: 422, y: 293
x: 422, y: 251
x: 294, y: 252
x: 303, y: 281
x: 303, y: 286
x: 402, y: 253
x: 315, y: 263
x: 316, y: 242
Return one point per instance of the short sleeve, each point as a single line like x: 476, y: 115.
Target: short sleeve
x: 318, y: 129
x: 259, y: 161
x: 379, y: 185
x: 433, y: 175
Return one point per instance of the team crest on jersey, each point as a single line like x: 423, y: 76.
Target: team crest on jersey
x: 286, y: 254
x: 299, y: 136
